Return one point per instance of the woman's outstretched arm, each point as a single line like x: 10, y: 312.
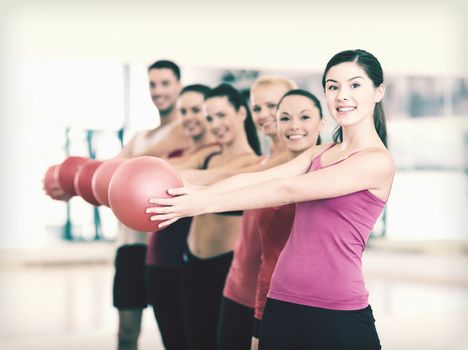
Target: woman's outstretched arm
x: 369, y: 170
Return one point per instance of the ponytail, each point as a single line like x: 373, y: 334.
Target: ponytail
x: 379, y: 122
x: 251, y: 132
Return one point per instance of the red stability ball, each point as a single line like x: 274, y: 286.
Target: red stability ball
x: 52, y: 186
x: 134, y: 183
x: 67, y: 172
x: 83, y: 179
x: 50, y: 179
x: 102, y: 177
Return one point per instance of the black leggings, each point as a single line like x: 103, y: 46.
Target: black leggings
x: 164, y: 293
x: 235, y: 326
x: 288, y: 326
x: 203, y: 281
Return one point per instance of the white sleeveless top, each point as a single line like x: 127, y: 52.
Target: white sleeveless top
x: 142, y: 142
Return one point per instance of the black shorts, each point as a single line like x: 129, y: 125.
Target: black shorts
x: 256, y: 328
x: 297, y: 327
x: 129, y: 290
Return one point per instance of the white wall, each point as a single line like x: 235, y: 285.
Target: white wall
x: 429, y: 198
x: 421, y: 37
x: 427, y: 205
x: 408, y: 36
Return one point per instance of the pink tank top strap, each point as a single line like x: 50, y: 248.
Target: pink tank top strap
x: 325, y: 149
x: 319, y: 157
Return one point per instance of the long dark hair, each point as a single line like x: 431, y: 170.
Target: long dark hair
x: 237, y: 100
x: 310, y: 96
x: 200, y: 88
x: 373, y: 69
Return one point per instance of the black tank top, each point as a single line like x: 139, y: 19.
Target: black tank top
x: 166, y: 247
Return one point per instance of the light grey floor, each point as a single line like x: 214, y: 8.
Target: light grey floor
x: 420, y: 301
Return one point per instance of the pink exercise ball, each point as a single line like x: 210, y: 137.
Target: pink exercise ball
x: 102, y: 178
x: 83, y: 181
x: 52, y: 186
x: 134, y: 183
x: 67, y: 172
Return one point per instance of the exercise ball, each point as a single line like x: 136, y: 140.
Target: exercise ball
x: 83, y: 181
x: 102, y: 177
x: 67, y: 172
x: 50, y: 177
x: 52, y: 186
x: 134, y: 183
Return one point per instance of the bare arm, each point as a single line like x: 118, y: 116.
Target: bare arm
x: 296, y: 166
x: 221, y: 173
x: 194, y: 160
x: 209, y: 176
x: 126, y: 151
x: 369, y: 170
x: 278, y: 159
x: 175, y: 139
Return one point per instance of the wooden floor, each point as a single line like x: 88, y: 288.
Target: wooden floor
x: 420, y: 301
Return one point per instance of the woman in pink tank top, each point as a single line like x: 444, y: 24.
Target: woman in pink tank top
x: 317, y: 298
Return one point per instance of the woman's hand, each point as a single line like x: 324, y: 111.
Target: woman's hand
x: 60, y: 195
x: 56, y: 192
x: 187, y: 202
x: 187, y: 189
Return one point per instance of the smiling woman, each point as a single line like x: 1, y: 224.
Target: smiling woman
x: 317, y: 297
x: 298, y: 128
x: 211, y: 238
x: 354, y: 86
x: 190, y: 107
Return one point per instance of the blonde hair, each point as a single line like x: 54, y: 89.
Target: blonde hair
x: 273, y: 80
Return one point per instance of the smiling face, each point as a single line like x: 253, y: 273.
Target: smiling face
x: 299, y: 122
x: 224, y: 121
x: 164, y: 89
x: 264, y: 99
x: 350, y: 94
x: 192, y: 113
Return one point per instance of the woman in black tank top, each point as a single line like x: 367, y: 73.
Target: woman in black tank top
x: 165, y: 248
x: 211, y: 239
